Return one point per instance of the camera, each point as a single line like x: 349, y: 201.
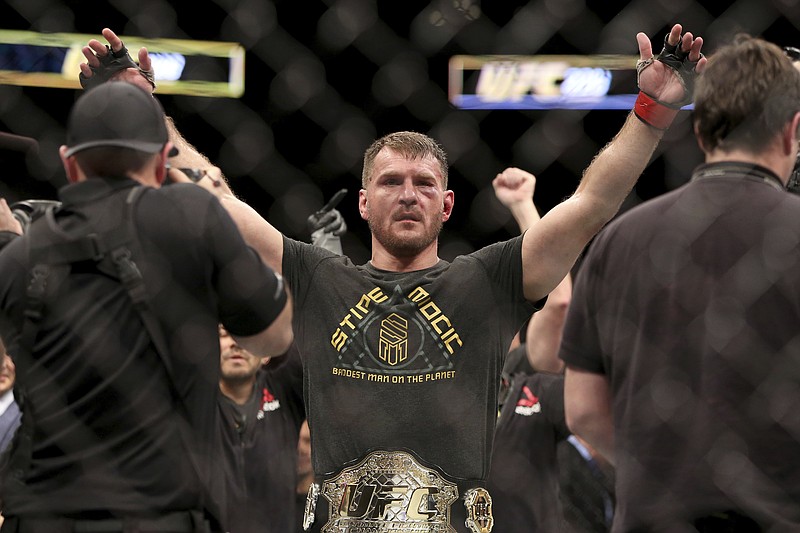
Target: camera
x: 26, y: 211
x: 794, y: 180
x: 793, y: 184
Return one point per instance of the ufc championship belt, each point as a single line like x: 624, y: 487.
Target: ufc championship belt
x: 392, y: 492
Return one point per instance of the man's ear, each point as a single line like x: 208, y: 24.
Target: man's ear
x: 447, y: 208
x: 791, y: 139
x: 70, y: 165
x: 161, y: 165
x: 363, y: 208
x: 697, y: 138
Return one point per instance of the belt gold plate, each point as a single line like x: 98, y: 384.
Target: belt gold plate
x: 389, y: 492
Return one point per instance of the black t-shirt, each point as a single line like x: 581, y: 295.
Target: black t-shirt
x: 104, y: 423
x: 405, y: 360
x: 261, y: 454
x: 689, y: 304
x: 517, y: 362
x: 523, y: 480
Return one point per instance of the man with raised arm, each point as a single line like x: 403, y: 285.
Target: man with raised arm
x: 402, y: 355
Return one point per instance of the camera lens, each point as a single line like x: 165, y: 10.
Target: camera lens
x: 26, y: 211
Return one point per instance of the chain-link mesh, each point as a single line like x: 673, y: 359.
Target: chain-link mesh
x: 323, y: 79
x: 586, y: 488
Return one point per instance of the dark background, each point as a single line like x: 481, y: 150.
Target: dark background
x: 324, y: 79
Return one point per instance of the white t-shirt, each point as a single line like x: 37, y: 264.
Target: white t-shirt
x: 5, y: 400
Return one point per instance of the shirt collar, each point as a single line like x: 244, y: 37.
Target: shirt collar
x: 738, y: 169
x: 93, y: 189
x: 5, y: 400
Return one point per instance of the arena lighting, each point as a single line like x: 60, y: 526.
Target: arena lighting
x: 182, y: 66
x: 543, y: 82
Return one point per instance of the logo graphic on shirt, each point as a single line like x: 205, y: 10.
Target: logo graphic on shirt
x: 268, y: 403
x: 528, y: 403
x: 393, y: 347
x: 397, y: 334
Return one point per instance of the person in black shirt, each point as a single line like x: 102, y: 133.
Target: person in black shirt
x: 115, y: 339
x: 531, y: 420
x: 681, y: 341
x: 261, y: 410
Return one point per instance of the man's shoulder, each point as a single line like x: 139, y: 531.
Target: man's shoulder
x: 639, y: 218
x: 646, y: 210
x: 500, y: 249
x: 304, y: 247
x: 498, y: 262
x: 181, y: 194
x: 300, y: 246
x: 178, y: 206
x: 295, y: 251
x: 13, y: 252
x: 6, y: 237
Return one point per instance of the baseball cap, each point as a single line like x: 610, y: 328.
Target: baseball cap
x: 119, y: 114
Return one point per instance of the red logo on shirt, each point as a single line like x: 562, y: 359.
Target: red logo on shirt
x: 266, y: 396
x: 529, y: 400
x: 528, y: 403
x: 268, y: 403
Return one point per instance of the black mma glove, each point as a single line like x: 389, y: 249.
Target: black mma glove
x: 653, y: 111
x: 328, y: 218
x: 678, y: 61
x: 110, y: 64
x: 327, y: 225
x: 329, y: 222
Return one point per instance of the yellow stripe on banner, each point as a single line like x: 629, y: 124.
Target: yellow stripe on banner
x: 169, y: 54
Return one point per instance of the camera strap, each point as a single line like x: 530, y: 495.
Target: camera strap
x: 51, y: 251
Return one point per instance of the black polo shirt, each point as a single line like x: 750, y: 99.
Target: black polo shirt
x: 523, y: 480
x: 261, y: 449
x: 105, y: 423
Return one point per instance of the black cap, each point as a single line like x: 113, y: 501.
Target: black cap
x: 118, y: 114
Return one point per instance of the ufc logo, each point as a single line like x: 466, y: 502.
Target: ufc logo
x: 387, y: 501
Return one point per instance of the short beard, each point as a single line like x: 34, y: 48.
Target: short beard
x: 238, y: 375
x: 238, y: 378
x: 405, y: 247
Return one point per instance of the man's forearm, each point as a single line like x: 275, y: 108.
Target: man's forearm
x: 588, y: 411
x: 525, y: 213
x: 565, y: 230
x: 614, y: 171
x: 256, y: 231
x: 545, y: 328
x: 188, y: 156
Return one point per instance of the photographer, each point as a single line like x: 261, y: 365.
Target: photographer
x: 10, y: 228
x: 111, y: 305
x: 18, y: 154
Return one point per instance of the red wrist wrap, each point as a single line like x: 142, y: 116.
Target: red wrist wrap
x: 653, y: 113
